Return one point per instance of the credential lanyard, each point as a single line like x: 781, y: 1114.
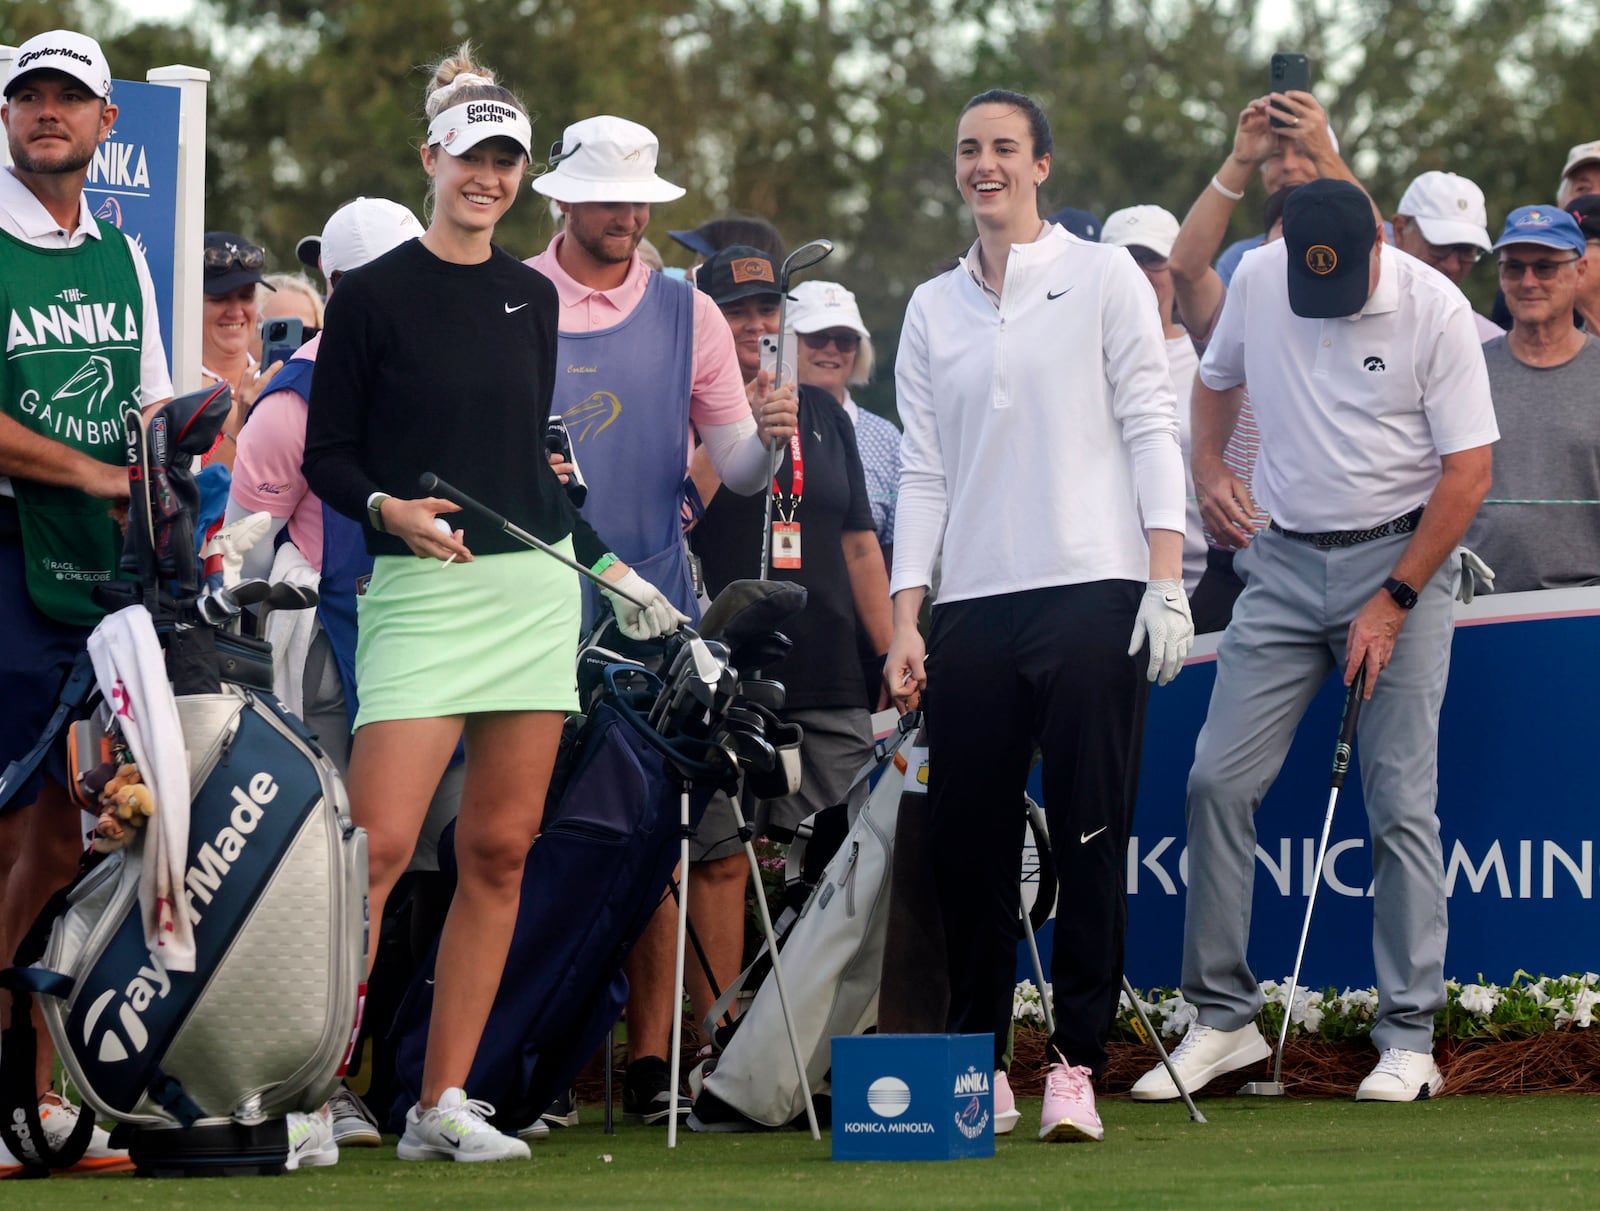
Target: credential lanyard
x: 797, y: 481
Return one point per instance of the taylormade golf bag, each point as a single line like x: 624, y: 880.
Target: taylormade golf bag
x: 834, y: 955
x: 202, y: 1064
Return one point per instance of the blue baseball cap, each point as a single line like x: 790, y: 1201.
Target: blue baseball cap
x: 1329, y: 229
x: 1079, y: 222
x: 1549, y: 226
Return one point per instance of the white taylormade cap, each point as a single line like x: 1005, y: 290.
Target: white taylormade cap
x: 1448, y: 209
x: 470, y: 123
x: 76, y: 55
x: 606, y: 159
x: 362, y: 231
x: 1141, y: 227
x: 819, y: 306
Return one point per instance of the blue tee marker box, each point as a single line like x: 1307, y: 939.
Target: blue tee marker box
x: 913, y: 1097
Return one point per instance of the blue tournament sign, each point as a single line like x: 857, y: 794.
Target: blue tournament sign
x: 912, y: 1097
x: 1518, y: 809
x: 133, y: 182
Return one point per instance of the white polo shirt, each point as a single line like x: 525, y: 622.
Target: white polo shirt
x: 1041, y: 430
x: 23, y: 216
x: 1354, y: 412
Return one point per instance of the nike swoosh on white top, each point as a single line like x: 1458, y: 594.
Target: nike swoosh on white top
x: 1085, y: 838
x: 518, y: 307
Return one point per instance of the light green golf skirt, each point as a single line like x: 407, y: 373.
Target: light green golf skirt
x: 497, y: 634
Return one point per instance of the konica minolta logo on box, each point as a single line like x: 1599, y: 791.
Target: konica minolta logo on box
x: 913, y: 1097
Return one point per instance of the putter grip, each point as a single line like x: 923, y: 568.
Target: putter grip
x: 1347, y: 728
x: 434, y: 486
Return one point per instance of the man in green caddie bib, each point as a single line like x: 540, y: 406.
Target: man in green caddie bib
x: 82, y: 349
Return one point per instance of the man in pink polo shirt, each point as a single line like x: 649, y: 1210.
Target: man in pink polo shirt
x: 642, y: 359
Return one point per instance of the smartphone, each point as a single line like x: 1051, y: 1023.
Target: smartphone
x: 279, y: 340
x: 1290, y: 73
x: 770, y: 352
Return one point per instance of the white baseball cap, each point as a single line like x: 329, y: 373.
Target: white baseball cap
x: 1141, y: 227
x: 471, y: 122
x: 1448, y: 209
x: 362, y: 231
x: 606, y: 159
x: 820, y: 306
x: 62, y: 50
x: 1583, y: 153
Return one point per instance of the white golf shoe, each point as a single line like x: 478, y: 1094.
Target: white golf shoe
x: 1402, y: 1076
x: 457, y: 1129
x: 1006, y: 1114
x: 1204, y: 1054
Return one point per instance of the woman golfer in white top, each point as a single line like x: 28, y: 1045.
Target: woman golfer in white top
x: 1041, y: 467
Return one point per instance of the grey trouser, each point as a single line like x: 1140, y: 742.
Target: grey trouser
x: 325, y: 714
x: 1289, y: 629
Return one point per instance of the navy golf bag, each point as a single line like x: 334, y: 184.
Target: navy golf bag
x: 595, y: 876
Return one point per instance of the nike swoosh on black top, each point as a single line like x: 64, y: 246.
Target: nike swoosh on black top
x: 510, y: 309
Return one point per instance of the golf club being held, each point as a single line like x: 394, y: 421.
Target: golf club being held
x: 803, y: 257
x: 1341, y: 767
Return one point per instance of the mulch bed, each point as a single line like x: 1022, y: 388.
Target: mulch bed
x: 1557, y: 1061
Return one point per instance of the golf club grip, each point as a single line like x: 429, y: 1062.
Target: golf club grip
x: 1347, y: 728
x: 434, y: 486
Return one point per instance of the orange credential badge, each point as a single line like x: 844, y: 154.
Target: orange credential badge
x: 751, y: 269
x: 1321, y: 259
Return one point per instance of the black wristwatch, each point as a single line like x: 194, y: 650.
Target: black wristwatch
x: 1404, y: 595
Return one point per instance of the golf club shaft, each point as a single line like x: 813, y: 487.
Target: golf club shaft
x: 1341, y: 767
x: 1155, y: 1038
x: 434, y: 486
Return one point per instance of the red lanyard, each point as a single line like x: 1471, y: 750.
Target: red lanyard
x: 797, y: 480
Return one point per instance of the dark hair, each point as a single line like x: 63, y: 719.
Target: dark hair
x: 746, y: 229
x: 1273, y: 210
x: 1038, y: 124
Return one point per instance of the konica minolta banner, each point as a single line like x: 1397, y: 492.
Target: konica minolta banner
x: 133, y: 182
x: 1519, y: 812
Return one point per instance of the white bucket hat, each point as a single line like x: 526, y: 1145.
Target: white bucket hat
x: 606, y: 159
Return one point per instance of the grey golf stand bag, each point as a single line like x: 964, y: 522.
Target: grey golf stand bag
x: 198, y: 1069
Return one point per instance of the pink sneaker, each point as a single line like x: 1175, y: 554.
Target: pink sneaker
x: 1006, y: 1113
x: 1069, y: 1114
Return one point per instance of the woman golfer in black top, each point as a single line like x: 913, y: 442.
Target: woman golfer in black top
x: 439, y: 357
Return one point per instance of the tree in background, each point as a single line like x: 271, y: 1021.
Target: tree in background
x: 836, y: 118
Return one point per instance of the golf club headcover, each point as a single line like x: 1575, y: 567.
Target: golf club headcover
x: 189, y: 424
x: 751, y: 609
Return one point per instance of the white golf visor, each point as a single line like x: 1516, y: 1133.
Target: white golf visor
x: 470, y: 123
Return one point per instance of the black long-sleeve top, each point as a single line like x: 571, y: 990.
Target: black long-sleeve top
x: 426, y: 365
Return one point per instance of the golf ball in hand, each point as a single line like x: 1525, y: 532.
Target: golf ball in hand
x: 441, y: 525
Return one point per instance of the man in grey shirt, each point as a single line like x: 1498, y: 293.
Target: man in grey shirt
x: 1540, y: 526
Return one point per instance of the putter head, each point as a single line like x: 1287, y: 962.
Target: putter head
x: 1261, y: 1089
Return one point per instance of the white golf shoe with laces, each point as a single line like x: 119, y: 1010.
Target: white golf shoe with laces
x: 1204, y: 1054
x: 1402, y: 1076
x: 457, y: 1129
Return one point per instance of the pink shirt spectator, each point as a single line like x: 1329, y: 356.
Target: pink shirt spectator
x: 266, y: 471
x: 716, y: 395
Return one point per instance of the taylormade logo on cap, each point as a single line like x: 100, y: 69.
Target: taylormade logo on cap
x: 63, y: 50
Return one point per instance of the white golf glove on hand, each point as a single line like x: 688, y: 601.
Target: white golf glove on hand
x: 1473, y: 572
x: 1163, y: 619
x: 657, y: 617
x: 233, y: 541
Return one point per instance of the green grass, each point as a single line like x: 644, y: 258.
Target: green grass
x: 1530, y: 1152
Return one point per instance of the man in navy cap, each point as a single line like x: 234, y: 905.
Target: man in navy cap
x: 1545, y: 374
x: 1369, y: 387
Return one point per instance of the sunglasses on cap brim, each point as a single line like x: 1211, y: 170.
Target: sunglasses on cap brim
x: 227, y: 255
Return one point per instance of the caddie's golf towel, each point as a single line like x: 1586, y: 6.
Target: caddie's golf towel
x: 132, y: 675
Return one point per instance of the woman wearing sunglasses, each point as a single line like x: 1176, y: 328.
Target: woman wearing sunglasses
x: 228, y: 334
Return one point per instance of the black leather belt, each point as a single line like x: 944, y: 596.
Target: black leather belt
x: 1353, y: 538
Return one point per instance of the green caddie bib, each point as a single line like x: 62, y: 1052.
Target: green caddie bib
x: 72, y: 319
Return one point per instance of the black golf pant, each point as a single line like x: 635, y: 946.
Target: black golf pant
x: 1046, y: 666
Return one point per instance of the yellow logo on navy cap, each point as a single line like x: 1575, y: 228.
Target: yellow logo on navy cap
x: 1321, y: 259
